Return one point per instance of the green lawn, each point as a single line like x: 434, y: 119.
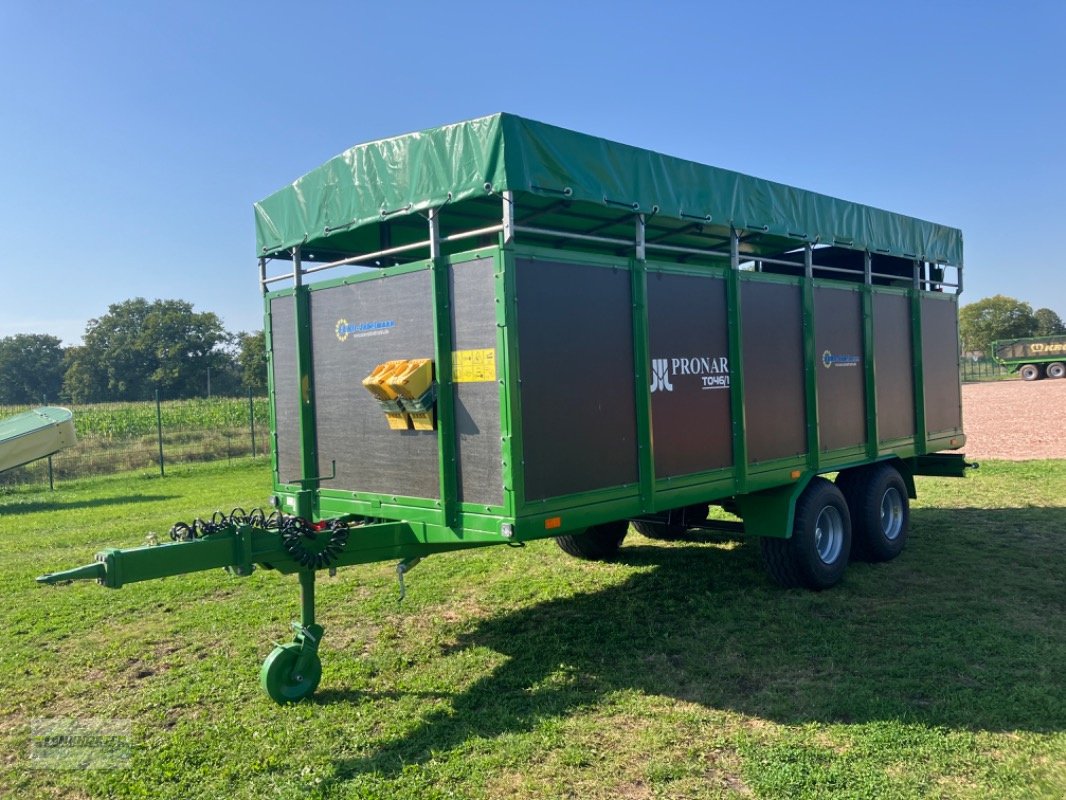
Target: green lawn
x: 678, y: 671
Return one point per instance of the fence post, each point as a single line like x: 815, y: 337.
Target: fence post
x: 51, y: 478
x: 159, y: 431
x: 251, y: 420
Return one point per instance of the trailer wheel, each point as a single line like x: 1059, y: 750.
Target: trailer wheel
x: 1056, y: 369
x: 676, y: 523
x: 278, y: 676
x: 598, y: 543
x: 880, y: 511
x: 816, y: 554
x: 1030, y: 372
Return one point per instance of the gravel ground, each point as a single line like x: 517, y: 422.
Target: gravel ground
x: 1014, y: 420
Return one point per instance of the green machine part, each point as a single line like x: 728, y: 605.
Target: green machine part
x: 292, y: 671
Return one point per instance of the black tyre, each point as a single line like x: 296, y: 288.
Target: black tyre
x: 880, y: 511
x: 674, y: 524
x: 1030, y: 372
x: 598, y: 543
x: 816, y: 554
x: 1056, y: 369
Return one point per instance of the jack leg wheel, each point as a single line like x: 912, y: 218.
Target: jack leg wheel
x: 291, y: 672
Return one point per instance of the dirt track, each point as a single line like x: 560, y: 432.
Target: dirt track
x: 1014, y: 420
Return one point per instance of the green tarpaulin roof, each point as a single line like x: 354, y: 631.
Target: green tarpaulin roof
x: 453, y: 163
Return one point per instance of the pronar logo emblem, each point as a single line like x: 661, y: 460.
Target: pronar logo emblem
x: 358, y: 330
x: 830, y: 360
x: 660, y: 375
x: 705, y: 372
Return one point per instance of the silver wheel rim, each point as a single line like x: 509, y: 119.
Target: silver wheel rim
x: 891, y: 514
x: 829, y: 534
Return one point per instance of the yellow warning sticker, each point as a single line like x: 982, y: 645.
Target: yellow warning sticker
x: 474, y: 366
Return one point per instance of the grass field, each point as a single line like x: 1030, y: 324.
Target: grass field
x: 677, y: 671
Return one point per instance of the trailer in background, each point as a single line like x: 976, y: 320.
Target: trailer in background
x: 1033, y: 358
x: 535, y: 333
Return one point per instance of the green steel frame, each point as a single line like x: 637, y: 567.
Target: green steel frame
x: 446, y: 522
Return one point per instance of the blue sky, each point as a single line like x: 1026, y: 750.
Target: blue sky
x: 136, y: 136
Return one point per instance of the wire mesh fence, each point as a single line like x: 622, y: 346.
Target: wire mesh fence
x: 982, y: 369
x: 119, y: 437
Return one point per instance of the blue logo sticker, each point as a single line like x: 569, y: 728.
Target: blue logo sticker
x: 357, y: 330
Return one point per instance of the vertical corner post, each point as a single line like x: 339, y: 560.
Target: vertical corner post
x: 309, y: 470
x: 512, y: 451
x: 442, y: 358
x: 810, y: 375
x: 641, y: 367
x: 736, y: 364
x: 870, y: 387
x: 262, y: 275
x: 917, y: 352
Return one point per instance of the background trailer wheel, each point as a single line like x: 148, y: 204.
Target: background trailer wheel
x: 597, y: 543
x: 816, y: 553
x: 880, y: 511
x: 674, y: 524
x: 1056, y: 369
x: 1030, y: 372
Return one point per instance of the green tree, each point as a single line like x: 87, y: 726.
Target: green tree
x: 1048, y: 323
x: 31, y: 368
x: 992, y: 318
x: 252, y: 361
x: 138, y: 346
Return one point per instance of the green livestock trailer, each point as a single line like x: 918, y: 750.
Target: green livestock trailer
x: 1034, y: 358
x: 500, y: 330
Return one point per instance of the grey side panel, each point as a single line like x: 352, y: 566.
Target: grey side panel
x: 940, y: 365
x: 840, y: 369
x: 477, y: 405
x: 687, y: 331
x: 350, y: 424
x: 774, y: 392
x: 893, y: 367
x: 286, y: 387
x: 575, y: 344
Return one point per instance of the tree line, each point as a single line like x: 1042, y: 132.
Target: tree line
x: 137, y: 347
x: 1002, y: 317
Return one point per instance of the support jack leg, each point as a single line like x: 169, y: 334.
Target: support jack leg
x: 292, y: 671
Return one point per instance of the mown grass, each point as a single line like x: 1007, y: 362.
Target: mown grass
x: 677, y: 671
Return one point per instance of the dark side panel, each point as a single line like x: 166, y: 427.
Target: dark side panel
x: 575, y: 343
x: 893, y: 367
x: 940, y: 364
x: 477, y: 391
x: 350, y: 424
x: 286, y: 387
x: 688, y: 338
x: 774, y: 395
x: 839, y: 366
